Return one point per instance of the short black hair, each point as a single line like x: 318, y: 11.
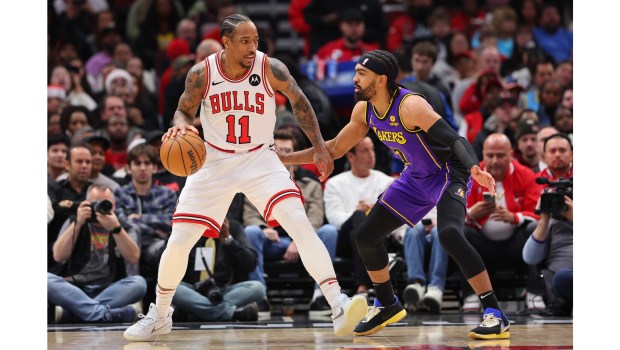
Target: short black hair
x: 55, y: 139
x: 231, y: 23
x: 560, y: 135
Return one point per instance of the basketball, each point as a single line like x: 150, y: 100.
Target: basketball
x: 183, y: 155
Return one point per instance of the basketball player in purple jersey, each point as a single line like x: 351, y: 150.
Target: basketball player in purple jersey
x: 439, y: 167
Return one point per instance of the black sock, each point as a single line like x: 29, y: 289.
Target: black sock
x: 385, y: 293
x: 488, y: 299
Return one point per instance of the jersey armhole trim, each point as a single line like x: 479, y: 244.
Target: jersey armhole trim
x: 264, y: 76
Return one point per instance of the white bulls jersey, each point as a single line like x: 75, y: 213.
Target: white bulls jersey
x: 238, y: 114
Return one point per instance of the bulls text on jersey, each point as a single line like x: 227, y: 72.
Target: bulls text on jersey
x: 237, y: 101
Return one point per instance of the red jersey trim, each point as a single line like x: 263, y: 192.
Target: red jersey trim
x: 231, y: 151
x: 275, y: 200
x: 207, y: 76
x: 219, y: 69
x: 212, y: 230
x: 264, y: 77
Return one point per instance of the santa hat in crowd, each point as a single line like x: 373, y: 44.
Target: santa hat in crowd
x: 56, y: 91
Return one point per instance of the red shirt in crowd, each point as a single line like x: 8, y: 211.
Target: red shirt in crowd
x: 325, y: 52
x: 520, y: 190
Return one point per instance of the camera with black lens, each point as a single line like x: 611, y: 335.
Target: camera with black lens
x: 209, y: 289
x: 552, y: 198
x: 102, y: 206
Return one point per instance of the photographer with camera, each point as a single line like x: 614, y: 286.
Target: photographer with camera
x: 68, y: 193
x: 216, y: 285
x: 551, y: 244
x: 94, y: 247
x: 497, y: 226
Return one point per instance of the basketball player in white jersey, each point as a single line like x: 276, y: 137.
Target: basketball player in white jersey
x: 235, y: 90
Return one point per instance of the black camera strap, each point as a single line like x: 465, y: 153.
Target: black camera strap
x: 204, y: 261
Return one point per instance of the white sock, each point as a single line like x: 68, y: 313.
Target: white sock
x: 173, y: 263
x: 291, y: 215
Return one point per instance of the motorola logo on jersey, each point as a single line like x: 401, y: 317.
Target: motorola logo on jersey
x: 254, y: 80
x: 237, y: 101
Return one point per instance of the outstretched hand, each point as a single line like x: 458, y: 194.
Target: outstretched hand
x: 484, y: 179
x: 324, y: 162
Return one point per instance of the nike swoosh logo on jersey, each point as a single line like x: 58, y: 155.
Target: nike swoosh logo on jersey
x: 214, y: 83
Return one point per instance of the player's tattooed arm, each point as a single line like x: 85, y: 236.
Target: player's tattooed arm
x: 281, y: 80
x: 195, y: 87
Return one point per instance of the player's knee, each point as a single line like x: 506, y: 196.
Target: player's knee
x: 450, y: 238
x: 184, y: 236
x: 364, y: 238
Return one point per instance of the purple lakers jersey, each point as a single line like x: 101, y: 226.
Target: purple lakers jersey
x: 421, y: 154
x: 431, y: 169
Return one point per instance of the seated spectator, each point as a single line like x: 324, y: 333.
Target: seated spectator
x: 567, y: 97
x: 423, y: 58
x: 348, y: 197
x: 107, y: 39
x: 146, y: 205
x: 323, y: 17
x: 550, y: 97
x: 273, y: 243
x: 552, y: 38
x: 544, y: 132
x: 489, y: 62
x: 215, y: 287
x: 563, y: 121
x: 53, y: 123
x: 56, y: 98
x: 558, y: 154
x: 71, y: 83
x: 350, y: 46
x: 57, y: 146
x: 66, y: 195
x: 564, y: 73
x: 541, y: 71
x: 425, y: 287
x: 551, y: 244
x: 96, y: 249
x: 73, y: 118
x: 527, y: 153
x: 502, y: 120
x: 99, y: 145
x: 496, y: 226
x: 491, y: 93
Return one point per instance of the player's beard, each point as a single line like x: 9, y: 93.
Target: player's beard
x: 366, y: 94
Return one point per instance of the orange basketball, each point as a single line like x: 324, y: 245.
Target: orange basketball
x: 183, y: 155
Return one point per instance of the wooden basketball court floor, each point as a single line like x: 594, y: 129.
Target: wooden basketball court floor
x: 415, y: 332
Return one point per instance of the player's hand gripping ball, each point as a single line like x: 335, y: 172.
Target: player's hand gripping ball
x: 183, y: 155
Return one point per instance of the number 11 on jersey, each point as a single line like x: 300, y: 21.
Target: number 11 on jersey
x: 244, y: 123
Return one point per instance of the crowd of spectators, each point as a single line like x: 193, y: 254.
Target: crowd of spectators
x: 499, y: 71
